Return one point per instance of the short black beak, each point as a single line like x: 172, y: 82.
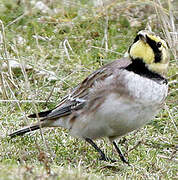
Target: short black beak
x: 143, y: 37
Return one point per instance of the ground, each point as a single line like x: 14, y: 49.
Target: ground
x: 47, y: 48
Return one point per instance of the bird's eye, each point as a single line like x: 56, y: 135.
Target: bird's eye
x: 159, y: 44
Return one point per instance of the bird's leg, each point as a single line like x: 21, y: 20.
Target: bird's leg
x: 120, y: 153
x: 103, y: 156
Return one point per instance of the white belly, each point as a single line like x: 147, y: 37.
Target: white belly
x: 120, y: 114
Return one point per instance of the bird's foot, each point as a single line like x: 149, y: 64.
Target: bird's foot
x: 104, y: 158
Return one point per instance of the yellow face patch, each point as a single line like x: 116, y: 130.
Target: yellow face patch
x: 143, y: 51
x: 158, y: 39
x: 163, y: 48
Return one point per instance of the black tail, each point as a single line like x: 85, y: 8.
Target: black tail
x: 24, y: 130
x: 40, y: 114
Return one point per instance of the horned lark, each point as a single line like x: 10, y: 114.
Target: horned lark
x: 116, y: 99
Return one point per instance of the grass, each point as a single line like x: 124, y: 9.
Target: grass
x: 57, y: 49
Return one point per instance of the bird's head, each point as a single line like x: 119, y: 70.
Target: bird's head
x: 152, y: 50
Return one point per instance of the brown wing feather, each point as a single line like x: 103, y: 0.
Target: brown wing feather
x: 68, y: 104
x: 83, y: 88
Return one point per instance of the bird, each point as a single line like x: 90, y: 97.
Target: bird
x: 116, y: 99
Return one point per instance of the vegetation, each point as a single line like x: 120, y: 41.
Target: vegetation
x: 48, y: 47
